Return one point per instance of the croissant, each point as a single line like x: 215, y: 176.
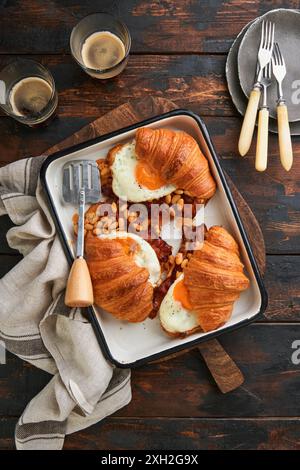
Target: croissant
x: 214, y: 279
x: 178, y: 158
x: 120, y: 286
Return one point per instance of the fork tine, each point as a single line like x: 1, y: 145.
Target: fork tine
x: 281, y: 58
x: 269, y: 45
x: 279, y: 55
x: 267, y: 71
x: 268, y: 38
x: 262, y: 34
x: 273, y: 33
x: 271, y: 36
x: 274, y: 57
x: 265, y: 34
x: 270, y: 70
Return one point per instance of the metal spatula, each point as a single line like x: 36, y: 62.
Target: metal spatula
x: 81, y: 185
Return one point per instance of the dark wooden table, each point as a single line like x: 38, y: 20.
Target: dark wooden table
x: 178, y: 51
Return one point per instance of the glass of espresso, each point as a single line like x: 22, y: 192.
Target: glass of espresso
x: 27, y: 92
x: 100, y: 44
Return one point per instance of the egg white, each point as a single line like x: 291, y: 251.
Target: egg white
x: 124, y: 183
x: 145, y: 257
x: 173, y: 316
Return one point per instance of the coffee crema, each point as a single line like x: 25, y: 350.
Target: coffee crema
x: 102, y: 50
x: 30, y: 96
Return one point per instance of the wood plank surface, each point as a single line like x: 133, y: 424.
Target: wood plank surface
x: 189, y: 81
x: 178, y: 434
x: 157, y: 26
x: 190, y: 434
x: 263, y: 352
x: 178, y: 52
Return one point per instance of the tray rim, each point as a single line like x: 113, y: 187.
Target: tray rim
x: 91, y: 314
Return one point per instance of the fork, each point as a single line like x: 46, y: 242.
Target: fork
x: 264, y: 57
x: 284, y: 134
x: 263, y: 123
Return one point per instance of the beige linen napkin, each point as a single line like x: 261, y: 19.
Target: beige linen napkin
x: 37, y: 326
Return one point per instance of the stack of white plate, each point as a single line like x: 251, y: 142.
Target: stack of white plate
x: 242, y: 60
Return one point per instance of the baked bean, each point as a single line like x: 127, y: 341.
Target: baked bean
x: 180, y: 204
x: 184, y: 263
x: 179, y: 258
x: 168, y: 198
x: 175, y: 198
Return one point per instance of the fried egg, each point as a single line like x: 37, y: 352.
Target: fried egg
x: 175, y: 313
x: 134, y: 179
x: 143, y: 254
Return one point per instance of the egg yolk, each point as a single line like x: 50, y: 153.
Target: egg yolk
x: 181, y: 294
x: 147, y: 177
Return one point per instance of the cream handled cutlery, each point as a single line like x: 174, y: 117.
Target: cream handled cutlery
x: 261, y: 158
x: 284, y: 134
x: 81, y: 186
x: 264, y: 57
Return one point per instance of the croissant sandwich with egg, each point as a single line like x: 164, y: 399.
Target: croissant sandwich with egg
x: 178, y: 159
x: 124, y: 270
x: 158, y: 162
x: 202, y: 298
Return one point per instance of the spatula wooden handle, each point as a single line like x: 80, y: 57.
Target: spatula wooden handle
x: 261, y: 159
x: 249, y: 122
x: 284, y: 135
x: 79, y: 292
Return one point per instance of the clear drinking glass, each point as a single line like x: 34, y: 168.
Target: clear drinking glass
x: 27, y: 92
x: 87, y: 31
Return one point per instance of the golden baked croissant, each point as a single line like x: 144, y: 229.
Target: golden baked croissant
x: 120, y: 286
x: 202, y: 297
x: 178, y: 158
x: 214, y: 279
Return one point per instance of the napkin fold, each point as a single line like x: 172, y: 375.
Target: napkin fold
x: 36, y: 325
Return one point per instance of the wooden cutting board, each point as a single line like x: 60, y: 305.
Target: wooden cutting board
x: 223, y: 369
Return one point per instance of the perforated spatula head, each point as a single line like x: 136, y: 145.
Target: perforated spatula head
x: 78, y: 175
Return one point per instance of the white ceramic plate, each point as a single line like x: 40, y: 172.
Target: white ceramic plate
x: 237, y: 95
x: 132, y: 344
x: 287, y: 26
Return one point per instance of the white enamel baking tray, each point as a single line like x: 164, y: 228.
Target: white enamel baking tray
x: 127, y: 344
